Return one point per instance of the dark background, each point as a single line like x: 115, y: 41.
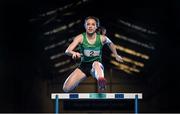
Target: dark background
x: 22, y: 78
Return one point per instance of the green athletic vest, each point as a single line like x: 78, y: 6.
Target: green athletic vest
x: 91, y: 52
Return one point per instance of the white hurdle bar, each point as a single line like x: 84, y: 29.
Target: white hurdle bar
x: 58, y: 96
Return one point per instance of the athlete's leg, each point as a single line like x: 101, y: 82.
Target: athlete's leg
x: 73, y: 80
x: 98, y: 72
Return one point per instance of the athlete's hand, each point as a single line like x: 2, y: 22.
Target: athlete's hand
x: 76, y: 55
x: 119, y: 58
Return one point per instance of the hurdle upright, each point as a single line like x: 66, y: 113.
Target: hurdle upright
x: 94, y: 96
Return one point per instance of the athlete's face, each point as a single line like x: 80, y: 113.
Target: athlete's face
x: 90, y: 26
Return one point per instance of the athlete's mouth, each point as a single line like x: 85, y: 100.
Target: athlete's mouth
x: 90, y: 29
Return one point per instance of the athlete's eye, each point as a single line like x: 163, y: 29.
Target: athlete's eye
x: 93, y: 24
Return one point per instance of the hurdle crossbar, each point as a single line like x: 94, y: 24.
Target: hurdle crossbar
x: 134, y: 96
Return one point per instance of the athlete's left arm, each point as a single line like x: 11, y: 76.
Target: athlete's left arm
x: 106, y: 40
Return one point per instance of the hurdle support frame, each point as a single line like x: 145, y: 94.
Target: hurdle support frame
x: 94, y: 96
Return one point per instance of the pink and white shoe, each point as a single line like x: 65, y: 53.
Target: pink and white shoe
x: 101, y: 84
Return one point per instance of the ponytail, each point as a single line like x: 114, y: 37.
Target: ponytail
x: 101, y: 30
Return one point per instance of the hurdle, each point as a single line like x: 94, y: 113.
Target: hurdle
x: 94, y: 96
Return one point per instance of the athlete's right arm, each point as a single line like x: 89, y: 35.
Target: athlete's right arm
x: 70, y: 50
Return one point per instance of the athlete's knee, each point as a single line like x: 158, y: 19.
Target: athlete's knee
x: 97, y: 64
x: 66, y: 88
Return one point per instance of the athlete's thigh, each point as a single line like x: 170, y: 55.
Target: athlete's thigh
x: 75, y: 77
